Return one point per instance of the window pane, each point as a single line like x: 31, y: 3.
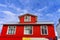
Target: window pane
x: 11, y: 30
x: 44, y: 29
x: 27, y: 18
x: 28, y: 30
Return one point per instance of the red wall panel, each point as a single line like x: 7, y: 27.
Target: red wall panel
x: 4, y: 30
x: 36, y: 31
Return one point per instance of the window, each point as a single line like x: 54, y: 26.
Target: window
x: 11, y: 29
x: 27, y: 18
x: 27, y: 30
x: 44, y: 30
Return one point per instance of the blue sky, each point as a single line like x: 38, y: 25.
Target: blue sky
x: 46, y: 10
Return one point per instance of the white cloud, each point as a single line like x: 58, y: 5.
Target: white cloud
x: 25, y: 11
x: 39, y: 12
x: 13, y: 6
x: 24, y: 2
x: 49, y: 15
x: 1, y: 22
x: 10, y: 16
x: 44, y: 8
x: 21, y: 14
x: 10, y: 5
x: 3, y: 5
x: 58, y: 10
x: 8, y: 13
x: 17, y: 8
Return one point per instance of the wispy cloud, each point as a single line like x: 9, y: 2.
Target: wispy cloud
x: 49, y: 15
x: 8, y: 13
x: 24, y: 1
x: 42, y: 9
x: 3, y: 5
x: 58, y: 10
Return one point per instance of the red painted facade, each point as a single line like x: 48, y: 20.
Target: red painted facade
x: 33, y: 18
x: 20, y: 30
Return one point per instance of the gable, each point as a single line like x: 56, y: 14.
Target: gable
x: 28, y: 15
x: 30, y: 18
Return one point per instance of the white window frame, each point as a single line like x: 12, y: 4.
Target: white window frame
x: 41, y: 29
x: 8, y: 30
x: 28, y: 34
x: 26, y: 20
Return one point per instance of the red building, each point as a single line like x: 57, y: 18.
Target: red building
x: 28, y: 28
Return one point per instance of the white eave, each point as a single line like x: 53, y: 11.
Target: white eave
x: 30, y: 23
x: 45, y: 22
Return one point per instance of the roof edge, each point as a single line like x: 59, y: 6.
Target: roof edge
x: 27, y: 14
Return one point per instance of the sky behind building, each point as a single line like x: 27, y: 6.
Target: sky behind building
x: 46, y: 10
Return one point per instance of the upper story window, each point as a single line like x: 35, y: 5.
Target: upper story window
x: 27, y: 18
x: 44, y: 30
x: 11, y: 30
x: 28, y: 30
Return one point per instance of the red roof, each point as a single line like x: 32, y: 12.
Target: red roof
x: 28, y: 15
